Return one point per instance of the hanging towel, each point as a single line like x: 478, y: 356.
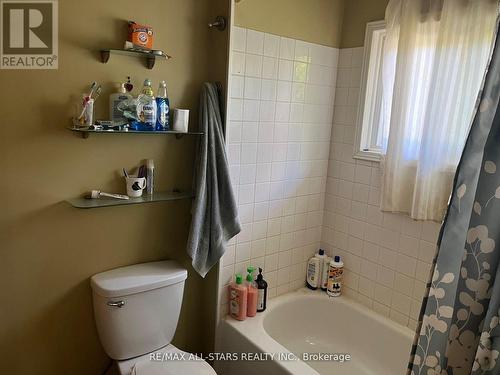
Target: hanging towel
x: 214, y: 213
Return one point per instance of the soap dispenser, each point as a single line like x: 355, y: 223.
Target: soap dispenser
x: 262, y: 292
x: 115, y: 115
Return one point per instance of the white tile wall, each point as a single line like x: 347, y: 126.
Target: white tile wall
x: 387, y: 256
x: 280, y: 120
x: 291, y: 132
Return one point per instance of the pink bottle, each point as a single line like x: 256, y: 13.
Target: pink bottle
x: 253, y: 293
x: 238, y: 295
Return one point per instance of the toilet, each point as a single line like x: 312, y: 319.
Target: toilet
x: 136, y: 311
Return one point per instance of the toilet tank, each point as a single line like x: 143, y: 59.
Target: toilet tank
x: 137, y: 307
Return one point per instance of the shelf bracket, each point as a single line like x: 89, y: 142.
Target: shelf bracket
x: 105, y: 56
x: 150, y: 62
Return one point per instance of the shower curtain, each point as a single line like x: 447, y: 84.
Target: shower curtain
x: 435, y: 55
x: 459, y: 331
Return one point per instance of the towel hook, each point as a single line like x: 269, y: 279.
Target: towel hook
x: 219, y: 23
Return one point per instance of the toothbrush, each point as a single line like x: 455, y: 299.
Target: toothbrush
x: 87, y: 97
x: 93, y: 86
x: 125, y: 172
x: 96, y: 93
x: 142, y: 171
x: 96, y: 194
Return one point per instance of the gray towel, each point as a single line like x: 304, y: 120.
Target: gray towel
x: 214, y: 212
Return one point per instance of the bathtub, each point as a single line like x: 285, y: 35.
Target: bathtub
x: 311, y: 322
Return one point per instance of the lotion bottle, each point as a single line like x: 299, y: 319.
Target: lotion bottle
x: 114, y: 99
x: 238, y: 294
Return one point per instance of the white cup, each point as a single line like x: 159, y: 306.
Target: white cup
x: 181, y: 120
x: 135, y: 186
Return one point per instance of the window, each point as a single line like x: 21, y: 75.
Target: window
x: 372, y: 132
x: 434, y: 60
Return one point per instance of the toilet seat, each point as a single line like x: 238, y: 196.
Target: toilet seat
x: 145, y: 366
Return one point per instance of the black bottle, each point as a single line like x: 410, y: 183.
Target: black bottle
x: 262, y: 292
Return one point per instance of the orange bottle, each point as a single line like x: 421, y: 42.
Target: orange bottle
x: 238, y: 295
x: 253, y: 293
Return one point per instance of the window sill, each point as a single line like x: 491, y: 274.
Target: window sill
x: 368, y: 156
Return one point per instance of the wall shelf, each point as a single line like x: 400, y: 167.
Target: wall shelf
x: 148, y: 55
x: 109, y: 202
x: 85, y: 132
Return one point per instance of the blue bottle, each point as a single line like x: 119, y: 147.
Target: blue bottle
x: 163, y: 108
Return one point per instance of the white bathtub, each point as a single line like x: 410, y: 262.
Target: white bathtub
x: 310, y: 322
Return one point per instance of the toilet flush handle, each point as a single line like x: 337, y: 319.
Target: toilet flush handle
x: 116, y: 303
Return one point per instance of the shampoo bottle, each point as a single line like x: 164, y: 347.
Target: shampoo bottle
x: 313, y: 274
x: 262, y: 292
x: 238, y: 294
x: 252, y: 293
x: 324, y: 275
x: 335, y: 277
x: 321, y: 256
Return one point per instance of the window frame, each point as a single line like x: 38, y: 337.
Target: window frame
x: 359, y: 153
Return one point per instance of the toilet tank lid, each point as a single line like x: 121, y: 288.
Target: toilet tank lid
x: 137, y: 278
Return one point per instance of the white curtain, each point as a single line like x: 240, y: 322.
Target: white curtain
x: 435, y: 56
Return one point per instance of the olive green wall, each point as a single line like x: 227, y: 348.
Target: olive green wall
x: 356, y: 14
x: 334, y: 23
x: 48, y: 250
x: 315, y: 21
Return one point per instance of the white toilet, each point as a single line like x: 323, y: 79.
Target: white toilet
x: 136, y: 310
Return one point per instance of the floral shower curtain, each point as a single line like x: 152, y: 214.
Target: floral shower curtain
x: 459, y: 331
